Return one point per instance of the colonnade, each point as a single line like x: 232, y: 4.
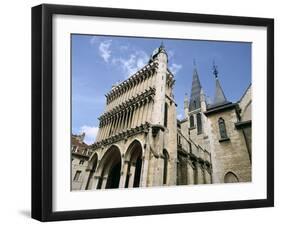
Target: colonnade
x: 130, y: 117
x: 142, y: 80
x: 193, y: 172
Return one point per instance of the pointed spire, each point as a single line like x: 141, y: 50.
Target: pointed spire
x: 162, y: 46
x: 219, y: 98
x: 195, y: 90
x: 185, y: 101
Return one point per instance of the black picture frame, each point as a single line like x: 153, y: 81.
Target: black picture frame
x: 42, y: 111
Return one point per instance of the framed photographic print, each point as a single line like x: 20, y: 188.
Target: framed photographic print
x: 145, y: 112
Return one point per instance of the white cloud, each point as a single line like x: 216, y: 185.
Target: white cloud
x: 171, y: 54
x: 175, y: 68
x: 93, y: 40
x: 179, y: 116
x: 90, y: 133
x: 104, y: 50
x: 133, y: 63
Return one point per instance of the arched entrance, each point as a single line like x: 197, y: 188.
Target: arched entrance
x: 230, y: 178
x: 92, y: 168
x: 109, y: 169
x: 134, y: 161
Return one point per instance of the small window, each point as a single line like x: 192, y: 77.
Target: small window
x: 199, y: 123
x: 222, y: 128
x: 74, y: 148
x: 191, y: 121
x: 166, y: 115
x: 81, y: 162
x: 77, y: 175
x: 165, y: 173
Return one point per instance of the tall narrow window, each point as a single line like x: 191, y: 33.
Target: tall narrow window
x: 77, y: 175
x: 222, y: 128
x: 199, y: 123
x: 165, y: 170
x: 191, y: 121
x: 166, y: 115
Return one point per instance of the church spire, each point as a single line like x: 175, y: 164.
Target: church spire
x: 195, y: 90
x: 219, y: 98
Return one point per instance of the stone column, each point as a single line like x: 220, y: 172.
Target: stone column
x: 140, y: 113
x: 86, y: 179
x: 207, y: 176
x: 95, y: 182
x: 190, y: 173
x: 104, y: 181
x: 124, y: 173
x: 116, y: 123
x: 145, y: 106
x: 144, y: 172
x: 137, y: 114
x: 200, y: 177
x: 132, y: 174
x: 134, y: 116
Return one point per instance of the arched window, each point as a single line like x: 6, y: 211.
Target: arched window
x: 165, y: 173
x: 191, y: 121
x: 222, y: 128
x: 166, y: 115
x: 230, y: 178
x: 199, y: 123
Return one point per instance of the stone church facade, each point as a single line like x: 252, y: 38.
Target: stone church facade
x: 141, y: 143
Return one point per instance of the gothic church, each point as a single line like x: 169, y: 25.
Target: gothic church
x: 141, y: 143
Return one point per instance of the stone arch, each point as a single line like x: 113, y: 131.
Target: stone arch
x: 133, y: 161
x: 109, y: 169
x: 230, y: 177
x: 93, y: 163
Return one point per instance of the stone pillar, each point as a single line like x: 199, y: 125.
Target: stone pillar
x: 127, y: 119
x: 107, y: 126
x: 119, y: 122
x: 124, y: 173
x: 131, y: 116
x: 132, y: 174
x: 141, y: 106
x: 144, y: 113
x: 116, y: 123
x: 207, y: 176
x: 190, y: 173
x: 95, y: 182
x: 144, y: 172
x: 85, y: 179
x: 134, y: 116
x: 200, y: 176
x: 104, y: 181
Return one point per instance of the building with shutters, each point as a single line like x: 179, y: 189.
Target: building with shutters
x: 141, y: 143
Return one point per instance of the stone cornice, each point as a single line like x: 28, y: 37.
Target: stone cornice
x: 127, y: 84
x: 132, y: 101
x: 122, y: 135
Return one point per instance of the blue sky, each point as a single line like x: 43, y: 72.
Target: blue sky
x: 100, y: 61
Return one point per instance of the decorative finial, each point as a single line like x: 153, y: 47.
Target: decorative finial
x: 215, y: 69
x: 162, y: 45
x: 194, y: 62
